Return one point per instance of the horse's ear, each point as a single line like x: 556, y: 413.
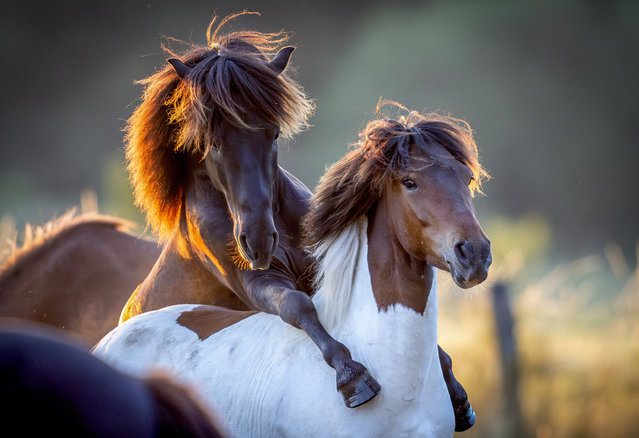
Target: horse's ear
x: 280, y: 61
x: 180, y: 68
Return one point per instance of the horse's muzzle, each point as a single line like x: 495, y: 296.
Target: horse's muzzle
x: 472, y: 260
x: 258, y: 252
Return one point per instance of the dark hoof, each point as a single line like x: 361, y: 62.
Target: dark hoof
x: 464, y: 417
x: 360, y: 390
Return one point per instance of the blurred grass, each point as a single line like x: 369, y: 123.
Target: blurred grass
x: 577, y: 332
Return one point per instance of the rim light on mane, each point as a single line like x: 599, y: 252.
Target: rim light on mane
x: 229, y: 77
x: 37, y: 236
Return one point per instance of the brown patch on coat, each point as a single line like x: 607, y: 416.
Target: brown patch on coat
x: 207, y: 320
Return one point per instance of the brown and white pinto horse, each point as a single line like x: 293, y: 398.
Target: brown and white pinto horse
x: 51, y: 385
x: 76, y: 273
x: 384, y: 217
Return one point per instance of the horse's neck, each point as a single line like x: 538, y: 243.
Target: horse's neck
x: 397, y: 277
x: 292, y: 198
x: 347, y: 304
x: 205, y: 228
x: 195, y: 255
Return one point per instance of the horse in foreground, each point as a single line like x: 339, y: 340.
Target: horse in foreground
x: 384, y: 217
x: 52, y: 386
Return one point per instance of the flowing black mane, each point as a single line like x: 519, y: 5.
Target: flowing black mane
x: 350, y: 187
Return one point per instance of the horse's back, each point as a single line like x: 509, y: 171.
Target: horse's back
x: 78, y: 279
x: 231, y: 367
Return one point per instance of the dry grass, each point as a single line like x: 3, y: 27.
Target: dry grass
x: 577, y: 332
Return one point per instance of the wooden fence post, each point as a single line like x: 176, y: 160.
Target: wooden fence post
x: 504, y: 321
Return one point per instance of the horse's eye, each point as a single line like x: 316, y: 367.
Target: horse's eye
x: 277, y: 134
x: 409, y: 183
x: 214, y: 149
x: 471, y: 180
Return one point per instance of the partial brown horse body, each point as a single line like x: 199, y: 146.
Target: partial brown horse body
x: 54, y: 386
x: 77, y: 276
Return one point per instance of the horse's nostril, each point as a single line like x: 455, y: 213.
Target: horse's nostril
x: 243, y: 242
x: 256, y: 250
x: 463, y: 250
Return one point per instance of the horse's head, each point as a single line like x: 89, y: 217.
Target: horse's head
x: 224, y: 106
x: 423, y: 171
x: 433, y: 215
x: 434, y: 171
x: 243, y: 166
x: 241, y: 144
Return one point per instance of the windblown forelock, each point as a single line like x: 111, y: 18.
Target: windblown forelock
x: 229, y: 84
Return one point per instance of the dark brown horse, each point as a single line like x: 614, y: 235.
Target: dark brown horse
x: 202, y: 154
x: 75, y: 273
x: 53, y: 386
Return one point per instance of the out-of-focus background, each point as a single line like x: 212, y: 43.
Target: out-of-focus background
x: 550, y: 88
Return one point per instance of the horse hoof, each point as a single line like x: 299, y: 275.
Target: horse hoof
x: 360, y: 390
x: 464, y: 417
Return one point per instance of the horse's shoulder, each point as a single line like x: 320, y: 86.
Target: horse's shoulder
x: 207, y: 320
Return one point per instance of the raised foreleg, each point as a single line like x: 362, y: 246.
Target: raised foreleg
x: 296, y: 308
